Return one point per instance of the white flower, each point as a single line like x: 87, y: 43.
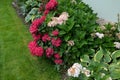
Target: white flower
x: 86, y: 72
x: 73, y: 71
x: 77, y: 65
x: 117, y: 45
x: 109, y: 78
x: 99, y: 35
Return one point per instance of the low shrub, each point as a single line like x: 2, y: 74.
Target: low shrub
x: 67, y: 32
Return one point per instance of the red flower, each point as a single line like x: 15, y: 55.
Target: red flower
x: 32, y: 45
x: 36, y: 36
x: 33, y: 29
x: 38, y: 51
x: 36, y: 22
x: 34, y: 49
x: 45, y: 38
x: 57, y: 56
x: 56, y: 42
x: 58, y: 61
x: 46, y: 12
x: 51, y: 5
x: 42, y: 19
x: 55, y: 32
x: 49, y: 52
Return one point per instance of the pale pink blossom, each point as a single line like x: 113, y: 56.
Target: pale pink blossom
x: 117, y: 45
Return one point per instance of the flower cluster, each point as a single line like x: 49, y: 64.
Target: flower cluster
x: 37, y: 50
x: 76, y: 69
x: 58, y: 20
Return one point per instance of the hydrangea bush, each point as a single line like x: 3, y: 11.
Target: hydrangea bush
x: 67, y: 32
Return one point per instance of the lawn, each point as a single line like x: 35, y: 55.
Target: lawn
x: 16, y: 62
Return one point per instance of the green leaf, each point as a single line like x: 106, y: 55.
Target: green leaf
x: 116, y: 54
x: 115, y: 71
x: 30, y: 15
x: 81, y: 43
x: 67, y: 37
x: 33, y: 11
x: 85, y: 58
x: 107, y: 57
x: 28, y: 18
x: 62, y: 32
x: 80, y: 34
x: 68, y: 25
x: 98, y: 56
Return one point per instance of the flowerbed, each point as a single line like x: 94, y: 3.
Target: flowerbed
x: 67, y: 33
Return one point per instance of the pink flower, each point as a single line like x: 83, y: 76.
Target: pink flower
x: 46, y: 12
x: 57, y: 56
x: 34, y: 49
x: 36, y: 22
x: 51, y: 5
x: 32, y: 45
x: 56, y: 42
x: 49, y: 52
x: 58, y: 61
x: 39, y: 51
x: 33, y: 29
x: 36, y: 36
x: 39, y: 21
x: 42, y: 19
x: 45, y: 38
x: 55, y: 32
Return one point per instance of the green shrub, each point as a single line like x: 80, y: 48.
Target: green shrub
x: 70, y: 31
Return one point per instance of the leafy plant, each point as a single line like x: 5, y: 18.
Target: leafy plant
x: 102, y: 65
x: 31, y: 9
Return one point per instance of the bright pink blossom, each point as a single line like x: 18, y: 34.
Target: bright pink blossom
x: 56, y: 42
x: 36, y: 22
x: 55, y: 32
x: 51, y: 5
x: 39, y: 21
x: 45, y: 38
x: 36, y: 36
x: 34, y: 49
x: 58, y: 61
x: 57, y: 56
x: 33, y: 29
x: 46, y: 12
x: 32, y: 45
x: 42, y: 19
x: 38, y: 51
x: 49, y: 52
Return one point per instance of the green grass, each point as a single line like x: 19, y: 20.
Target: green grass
x: 16, y: 62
